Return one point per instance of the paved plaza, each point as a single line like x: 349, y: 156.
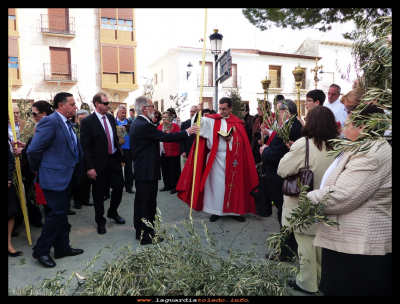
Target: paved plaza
x: 229, y: 233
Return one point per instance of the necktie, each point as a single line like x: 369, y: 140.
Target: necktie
x: 108, y: 136
x: 74, y: 144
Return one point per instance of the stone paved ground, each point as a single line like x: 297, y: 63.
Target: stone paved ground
x: 229, y: 233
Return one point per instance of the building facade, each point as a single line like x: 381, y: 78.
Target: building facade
x: 80, y: 51
x: 249, y: 67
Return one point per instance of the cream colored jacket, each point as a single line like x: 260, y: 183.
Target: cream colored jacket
x: 361, y: 203
x: 292, y: 163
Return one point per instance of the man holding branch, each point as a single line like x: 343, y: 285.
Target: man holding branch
x: 225, y: 170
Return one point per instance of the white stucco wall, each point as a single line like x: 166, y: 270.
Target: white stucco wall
x: 331, y: 53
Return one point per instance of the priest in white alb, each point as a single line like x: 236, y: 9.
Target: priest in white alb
x: 226, y: 175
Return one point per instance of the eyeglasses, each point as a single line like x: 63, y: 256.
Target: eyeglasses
x: 34, y: 114
x: 104, y: 103
x: 308, y: 100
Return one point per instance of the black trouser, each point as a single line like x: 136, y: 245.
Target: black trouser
x: 344, y: 274
x: 145, y: 207
x: 81, y: 192
x: 128, y: 172
x: 111, y: 176
x: 171, y: 170
x: 55, y: 231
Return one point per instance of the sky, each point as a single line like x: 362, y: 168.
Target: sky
x: 159, y: 30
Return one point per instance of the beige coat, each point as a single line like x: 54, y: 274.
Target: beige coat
x: 361, y: 203
x: 292, y: 163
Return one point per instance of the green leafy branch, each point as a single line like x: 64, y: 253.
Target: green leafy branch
x: 301, y: 218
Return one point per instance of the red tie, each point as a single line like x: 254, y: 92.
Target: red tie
x: 108, y: 136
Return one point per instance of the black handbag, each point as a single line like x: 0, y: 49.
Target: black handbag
x: 290, y: 187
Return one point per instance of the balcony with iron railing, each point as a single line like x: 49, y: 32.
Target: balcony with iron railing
x: 54, y: 72
x: 208, y: 80
x: 57, y: 25
x: 233, y: 82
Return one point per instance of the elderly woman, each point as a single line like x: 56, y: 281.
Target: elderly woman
x: 356, y: 255
x: 256, y: 125
x: 320, y: 128
x: 170, y: 155
x: 351, y: 101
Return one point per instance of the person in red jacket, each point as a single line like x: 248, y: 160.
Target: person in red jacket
x: 170, y: 155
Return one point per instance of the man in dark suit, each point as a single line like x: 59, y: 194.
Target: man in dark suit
x: 271, y: 157
x: 102, y: 158
x: 186, y: 144
x: 146, y: 161
x: 56, y: 155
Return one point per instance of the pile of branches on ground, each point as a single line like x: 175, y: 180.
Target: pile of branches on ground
x: 181, y: 265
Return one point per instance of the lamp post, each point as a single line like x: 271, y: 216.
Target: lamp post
x: 315, y: 71
x: 189, y: 70
x: 298, y: 74
x: 216, y: 44
x: 265, y: 85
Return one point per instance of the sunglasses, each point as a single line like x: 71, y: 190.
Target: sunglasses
x: 34, y: 114
x: 104, y: 103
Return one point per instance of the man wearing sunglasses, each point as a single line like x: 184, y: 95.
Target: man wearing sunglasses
x: 102, y: 159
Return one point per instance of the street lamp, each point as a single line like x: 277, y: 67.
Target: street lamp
x: 216, y: 45
x: 189, y: 70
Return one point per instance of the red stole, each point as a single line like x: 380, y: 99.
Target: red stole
x: 240, y: 172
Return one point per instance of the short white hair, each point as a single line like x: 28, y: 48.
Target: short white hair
x: 121, y: 107
x: 140, y: 102
x: 82, y: 112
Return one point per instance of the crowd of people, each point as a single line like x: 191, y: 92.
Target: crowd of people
x: 65, y: 159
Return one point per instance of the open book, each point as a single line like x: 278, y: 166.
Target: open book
x: 225, y: 134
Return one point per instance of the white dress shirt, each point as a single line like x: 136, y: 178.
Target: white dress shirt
x: 64, y: 119
x: 338, y: 109
x: 100, y: 117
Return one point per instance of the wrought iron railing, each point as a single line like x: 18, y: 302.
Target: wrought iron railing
x: 208, y: 80
x: 233, y: 82
x: 57, y: 24
x: 60, y: 72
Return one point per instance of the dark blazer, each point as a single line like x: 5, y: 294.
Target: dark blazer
x: 277, y: 149
x: 248, y: 125
x: 186, y: 145
x: 146, y: 148
x: 51, y: 154
x: 94, y: 142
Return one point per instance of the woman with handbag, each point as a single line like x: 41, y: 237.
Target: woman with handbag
x: 308, y: 152
x: 170, y: 155
x: 357, y: 255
